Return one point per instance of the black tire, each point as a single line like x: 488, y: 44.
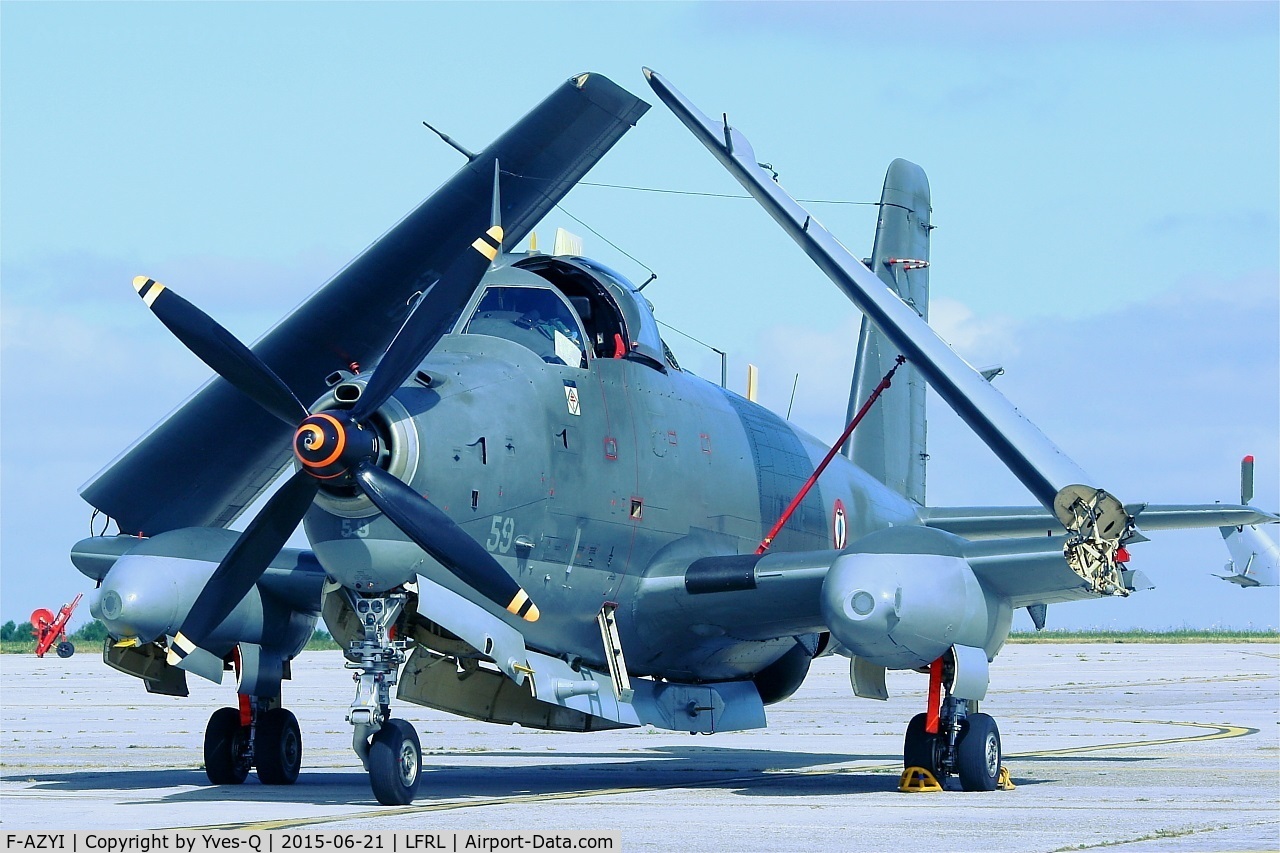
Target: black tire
x: 277, y: 747
x: 921, y: 749
x: 226, y: 748
x: 395, y: 763
x: 65, y: 649
x: 978, y: 754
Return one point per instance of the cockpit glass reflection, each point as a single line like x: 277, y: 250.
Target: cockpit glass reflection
x: 536, y: 318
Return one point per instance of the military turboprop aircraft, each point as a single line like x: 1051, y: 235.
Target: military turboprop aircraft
x: 521, y: 509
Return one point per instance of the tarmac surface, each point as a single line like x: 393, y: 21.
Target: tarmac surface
x: 1126, y: 747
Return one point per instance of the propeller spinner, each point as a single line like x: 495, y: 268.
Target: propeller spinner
x: 328, y: 445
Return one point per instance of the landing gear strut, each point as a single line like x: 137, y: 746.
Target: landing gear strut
x: 257, y: 734
x: 952, y: 738
x: 388, y: 748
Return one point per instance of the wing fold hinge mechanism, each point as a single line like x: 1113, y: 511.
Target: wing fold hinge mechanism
x: 1098, y: 527
x: 608, y: 620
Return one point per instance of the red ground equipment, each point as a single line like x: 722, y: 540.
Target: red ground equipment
x: 50, y: 629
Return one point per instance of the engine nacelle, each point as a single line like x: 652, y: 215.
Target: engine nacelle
x: 148, y: 590
x: 901, y: 597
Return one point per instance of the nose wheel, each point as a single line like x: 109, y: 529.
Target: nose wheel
x: 388, y: 747
x: 395, y: 763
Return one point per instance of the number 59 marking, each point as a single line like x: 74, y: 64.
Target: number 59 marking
x: 500, y: 534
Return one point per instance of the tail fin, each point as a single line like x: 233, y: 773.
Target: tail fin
x: 889, y: 444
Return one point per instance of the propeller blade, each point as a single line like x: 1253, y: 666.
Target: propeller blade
x: 441, y: 537
x: 219, y: 349
x: 243, y: 565
x: 426, y: 324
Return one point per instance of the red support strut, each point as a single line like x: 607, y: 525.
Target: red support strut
x: 831, y: 454
x: 244, y: 702
x: 935, y: 697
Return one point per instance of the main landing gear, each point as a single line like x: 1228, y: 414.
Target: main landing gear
x: 388, y: 748
x: 258, y: 734
x: 952, y: 738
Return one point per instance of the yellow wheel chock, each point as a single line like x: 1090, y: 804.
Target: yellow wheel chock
x: 917, y: 780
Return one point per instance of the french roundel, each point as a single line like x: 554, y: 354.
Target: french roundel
x: 839, y: 526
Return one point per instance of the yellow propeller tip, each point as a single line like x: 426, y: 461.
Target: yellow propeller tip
x: 524, y: 608
x: 148, y: 288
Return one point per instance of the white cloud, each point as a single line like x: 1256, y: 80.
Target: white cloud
x: 980, y: 340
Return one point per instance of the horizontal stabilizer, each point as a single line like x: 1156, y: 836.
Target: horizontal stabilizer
x: 1012, y: 521
x: 1239, y: 580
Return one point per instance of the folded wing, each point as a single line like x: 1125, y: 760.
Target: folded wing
x: 186, y: 472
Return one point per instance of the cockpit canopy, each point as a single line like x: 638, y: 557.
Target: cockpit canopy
x: 537, y: 318
x: 567, y: 310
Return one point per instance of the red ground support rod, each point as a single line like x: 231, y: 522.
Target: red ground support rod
x: 831, y: 454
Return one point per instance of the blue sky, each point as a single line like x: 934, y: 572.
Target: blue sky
x: 1105, y: 185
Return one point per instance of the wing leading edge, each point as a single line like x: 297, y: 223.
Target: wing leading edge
x: 210, y: 458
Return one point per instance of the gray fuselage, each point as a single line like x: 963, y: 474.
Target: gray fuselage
x: 656, y: 469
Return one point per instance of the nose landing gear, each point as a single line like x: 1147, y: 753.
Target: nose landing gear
x: 388, y: 748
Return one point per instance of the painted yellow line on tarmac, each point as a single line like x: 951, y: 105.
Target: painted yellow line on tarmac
x: 1216, y: 732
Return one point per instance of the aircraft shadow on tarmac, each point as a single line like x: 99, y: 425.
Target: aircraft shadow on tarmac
x: 746, y: 771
